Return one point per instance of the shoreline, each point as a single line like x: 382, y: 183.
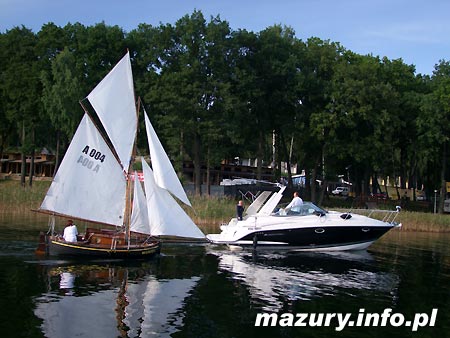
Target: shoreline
x: 208, y: 211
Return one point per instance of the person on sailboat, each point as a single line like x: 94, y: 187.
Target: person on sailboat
x: 239, y: 210
x: 70, y: 232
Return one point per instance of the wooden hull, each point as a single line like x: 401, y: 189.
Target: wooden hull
x: 59, y: 248
x: 101, y: 244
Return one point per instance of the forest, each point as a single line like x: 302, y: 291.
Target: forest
x: 214, y: 93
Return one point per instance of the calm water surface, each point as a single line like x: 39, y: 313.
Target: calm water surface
x: 205, y: 291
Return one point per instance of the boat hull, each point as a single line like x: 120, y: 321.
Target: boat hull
x: 60, y: 248
x: 309, y: 233
x: 102, y: 244
x: 318, y: 238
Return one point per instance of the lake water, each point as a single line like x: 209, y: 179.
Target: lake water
x: 205, y: 291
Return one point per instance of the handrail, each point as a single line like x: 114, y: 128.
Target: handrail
x: 390, y: 215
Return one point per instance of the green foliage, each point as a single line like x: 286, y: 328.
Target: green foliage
x: 61, y: 92
x: 19, y: 80
x: 214, y: 94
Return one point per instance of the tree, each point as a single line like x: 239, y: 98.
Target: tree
x: 363, y: 120
x: 51, y: 41
x: 97, y: 49
x: 61, y: 91
x: 191, y: 94
x: 433, y: 127
x: 265, y: 80
x: 316, y: 127
x: 215, y: 94
x: 404, y: 110
x: 20, y: 86
x: 6, y: 125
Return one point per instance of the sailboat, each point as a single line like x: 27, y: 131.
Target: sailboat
x: 94, y: 181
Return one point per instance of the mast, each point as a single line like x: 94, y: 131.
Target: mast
x: 128, y: 203
x: 129, y: 195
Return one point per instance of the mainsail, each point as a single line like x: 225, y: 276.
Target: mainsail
x: 164, y: 174
x: 114, y: 102
x: 82, y: 187
x: 166, y: 215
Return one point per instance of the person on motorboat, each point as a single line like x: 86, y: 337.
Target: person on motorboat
x: 70, y: 232
x: 296, y: 201
x: 240, y: 210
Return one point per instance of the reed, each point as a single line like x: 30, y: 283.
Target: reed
x: 416, y: 221
x: 427, y: 222
x: 15, y: 197
x: 208, y: 212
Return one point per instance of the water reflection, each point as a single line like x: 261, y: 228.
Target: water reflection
x: 109, y: 300
x: 198, y: 292
x: 67, y: 281
x: 149, y: 299
x: 277, y: 278
x: 156, y: 306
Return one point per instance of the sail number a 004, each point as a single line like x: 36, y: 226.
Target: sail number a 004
x: 93, y: 155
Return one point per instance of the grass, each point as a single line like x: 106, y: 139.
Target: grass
x: 420, y: 221
x: 415, y: 221
x: 14, y: 196
x: 207, y: 209
x: 207, y: 212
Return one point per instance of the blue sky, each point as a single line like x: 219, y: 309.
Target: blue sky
x: 417, y: 31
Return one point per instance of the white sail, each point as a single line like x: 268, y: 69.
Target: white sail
x: 139, y: 215
x: 166, y: 216
x: 164, y: 174
x: 82, y: 187
x: 114, y: 102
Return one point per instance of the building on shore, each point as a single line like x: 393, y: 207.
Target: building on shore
x: 11, y: 164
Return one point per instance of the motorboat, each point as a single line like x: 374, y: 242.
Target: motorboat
x: 305, y: 227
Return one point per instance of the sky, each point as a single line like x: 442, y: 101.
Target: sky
x: 417, y: 31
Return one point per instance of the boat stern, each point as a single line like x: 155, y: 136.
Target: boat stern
x: 214, y: 238
x: 42, y: 249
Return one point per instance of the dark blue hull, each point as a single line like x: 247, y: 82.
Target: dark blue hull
x: 315, y: 237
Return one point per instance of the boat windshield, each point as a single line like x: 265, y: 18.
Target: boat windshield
x: 307, y: 208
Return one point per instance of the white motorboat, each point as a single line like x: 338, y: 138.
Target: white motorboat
x: 306, y: 227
